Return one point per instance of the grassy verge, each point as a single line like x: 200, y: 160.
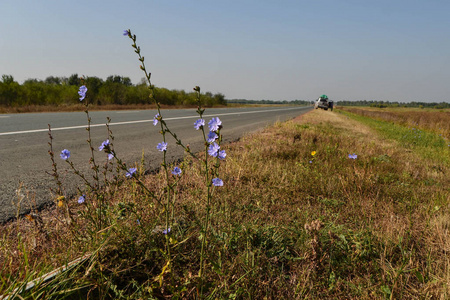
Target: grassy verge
x: 427, y: 133
x: 431, y: 120
x: 297, y: 218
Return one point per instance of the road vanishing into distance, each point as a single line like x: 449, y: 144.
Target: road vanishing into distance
x: 25, y: 163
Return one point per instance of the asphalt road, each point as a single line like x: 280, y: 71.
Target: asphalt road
x: 24, y: 158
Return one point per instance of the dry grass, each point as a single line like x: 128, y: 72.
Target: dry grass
x: 436, y: 121
x: 287, y: 223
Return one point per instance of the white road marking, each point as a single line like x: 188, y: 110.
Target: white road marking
x: 146, y: 121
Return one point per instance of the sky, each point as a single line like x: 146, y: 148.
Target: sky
x: 275, y: 50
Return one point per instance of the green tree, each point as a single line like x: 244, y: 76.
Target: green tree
x: 126, y: 81
x: 74, y: 80
x: 10, y: 90
x: 7, y: 79
x: 52, y: 80
x: 219, y: 99
x: 112, y: 93
x: 34, y: 92
x: 93, y: 85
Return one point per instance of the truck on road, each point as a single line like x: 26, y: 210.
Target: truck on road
x: 324, y: 103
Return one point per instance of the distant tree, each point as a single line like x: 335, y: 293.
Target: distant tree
x: 112, y: 93
x: 93, y: 85
x: 126, y: 81
x: 208, y: 99
x: 74, y: 80
x: 52, y: 80
x: 9, y: 90
x: 34, y: 92
x: 119, y: 79
x: 166, y: 96
x: 32, y: 80
x: 7, y: 79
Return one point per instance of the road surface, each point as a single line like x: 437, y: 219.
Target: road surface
x: 24, y: 158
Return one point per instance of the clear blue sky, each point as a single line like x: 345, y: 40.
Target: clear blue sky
x: 280, y: 50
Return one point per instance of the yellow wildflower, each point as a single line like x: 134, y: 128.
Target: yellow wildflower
x: 60, y: 200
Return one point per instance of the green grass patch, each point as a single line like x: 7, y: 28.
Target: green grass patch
x: 429, y: 144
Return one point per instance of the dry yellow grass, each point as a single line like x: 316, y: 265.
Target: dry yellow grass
x: 434, y: 120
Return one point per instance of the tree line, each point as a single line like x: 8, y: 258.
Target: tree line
x: 384, y: 104
x: 114, y: 90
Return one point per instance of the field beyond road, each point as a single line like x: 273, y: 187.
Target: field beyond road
x: 329, y: 205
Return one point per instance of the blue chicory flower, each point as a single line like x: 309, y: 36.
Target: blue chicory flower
x: 213, y: 149
x: 103, y: 145
x: 176, y: 171
x: 130, y: 172
x: 82, y: 199
x: 217, y: 182
x: 110, y: 155
x: 166, y: 231
x: 162, y: 146
x: 353, y: 156
x: 155, y: 119
x: 126, y: 32
x: 199, y: 123
x: 82, y: 92
x: 212, y: 136
x: 214, y: 124
x: 222, y: 154
x: 65, y: 154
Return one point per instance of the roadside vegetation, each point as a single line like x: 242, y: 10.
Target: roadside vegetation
x: 327, y: 205
x: 60, y: 93
x: 323, y: 206
x: 427, y: 119
x: 395, y: 104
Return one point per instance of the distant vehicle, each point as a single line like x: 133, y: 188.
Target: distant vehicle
x: 324, y: 103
